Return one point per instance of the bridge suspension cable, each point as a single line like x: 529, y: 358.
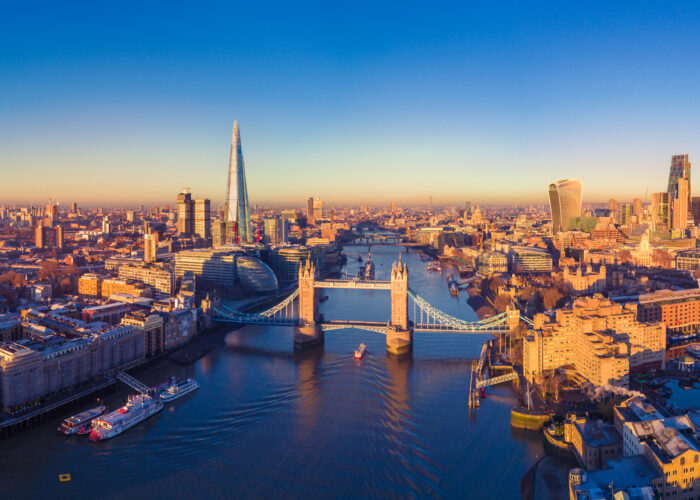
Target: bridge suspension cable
x: 434, y: 317
x: 281, y: 313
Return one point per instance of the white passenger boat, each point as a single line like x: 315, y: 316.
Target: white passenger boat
x: 360, y: 351
x: 177, y: 389
x: 137, y: 409
x: 80, y: 423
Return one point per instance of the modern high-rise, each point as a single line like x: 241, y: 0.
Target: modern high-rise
x: 276, y: 230
x: 565, y: 202
x: 193, y: 216
x: 202, y: 218
x: 680, y: 167
x: 318, y: 209
x: 660, y: 210
x: 626, y: 211
x: 637, y: 202
x: 679, y: 208
x: 150, y: 245
x: 237, y: 211
x: 185, y: 215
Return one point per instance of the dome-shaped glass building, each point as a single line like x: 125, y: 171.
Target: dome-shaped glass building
x: 255, y: 275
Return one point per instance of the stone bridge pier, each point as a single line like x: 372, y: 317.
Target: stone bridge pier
x: 399, y: 333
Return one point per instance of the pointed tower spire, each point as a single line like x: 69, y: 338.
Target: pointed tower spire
x: 237, y: 209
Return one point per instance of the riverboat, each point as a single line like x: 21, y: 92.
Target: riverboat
x: 176, y: 389
x: 360, y: 351
x: 81, y: 423
x: 694, y: 350
x: 434, y: 266
x: 137, y: 409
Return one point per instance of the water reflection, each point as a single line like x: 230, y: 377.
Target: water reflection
x: 271, y: 422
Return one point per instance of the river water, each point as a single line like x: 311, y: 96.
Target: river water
x: 271, y: 423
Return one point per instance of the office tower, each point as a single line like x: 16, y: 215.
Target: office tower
x: 39, y: 236
x: 74, y: 207
x: 695, y: 209
x: 310, y: 210
x: 637, y: 207
x: 58, y: 236
x: 660, y: 210
x: 130, y: 216
x: 185, y: 212
x: 680, y: 167
x: 430, y: 203
x: 393, y: 208
x: 106, y: 227
x: 202, y: 218
x: 565, y: 203
x: 150, y: 246
x: 679, y: 208
x: 626, y: 210
x: 237, y: 209
x: 276, y: 230
x: 612, y: 206
x: 318, y: 209
x: 51, y: 214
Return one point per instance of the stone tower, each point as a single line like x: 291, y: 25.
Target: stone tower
x: 399, y: 295
x: 399, y: 334
x: 308, y: 332
x: 308, y: 298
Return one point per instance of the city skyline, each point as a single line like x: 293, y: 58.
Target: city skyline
x: 334, y: 99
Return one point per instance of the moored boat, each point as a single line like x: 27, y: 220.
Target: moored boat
x: 137, y: 409
x: 177, y: 388
x: 77, y: 424
x: 434, y: 266
x: 694, y: 350
x: 360, y: 351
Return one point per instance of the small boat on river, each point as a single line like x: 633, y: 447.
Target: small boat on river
x: 360, y: 351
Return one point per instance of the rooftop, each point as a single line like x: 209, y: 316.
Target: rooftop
x: 627, y: 473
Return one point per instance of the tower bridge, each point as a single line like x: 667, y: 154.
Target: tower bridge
x: 409, y: 312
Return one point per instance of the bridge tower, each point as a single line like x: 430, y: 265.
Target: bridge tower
x: 308, y: 332
x: 513, y: 317
x: 399, y: 334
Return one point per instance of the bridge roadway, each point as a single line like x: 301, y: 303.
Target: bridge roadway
x: 354, y: 284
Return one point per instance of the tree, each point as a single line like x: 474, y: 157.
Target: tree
x: 551, y: 298
x: 501, y: 302
x: 48, y: 270
x: 13, y: 278
x: 495, y: 284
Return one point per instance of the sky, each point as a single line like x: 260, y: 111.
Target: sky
x: 120, y: 104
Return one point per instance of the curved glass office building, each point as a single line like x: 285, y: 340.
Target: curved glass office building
x: 565, y: 202
x: 255, y: 275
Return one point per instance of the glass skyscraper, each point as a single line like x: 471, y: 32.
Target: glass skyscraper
x: 237, y: 210
x: 680, y: 167
x: 565, y: 202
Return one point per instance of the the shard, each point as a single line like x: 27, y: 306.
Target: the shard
x: 237, y: 209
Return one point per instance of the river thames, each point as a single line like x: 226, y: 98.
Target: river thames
x: 271, y: 423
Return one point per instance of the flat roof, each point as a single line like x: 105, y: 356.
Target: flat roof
x: 623, y: 473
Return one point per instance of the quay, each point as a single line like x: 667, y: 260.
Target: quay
x: 45, y: 411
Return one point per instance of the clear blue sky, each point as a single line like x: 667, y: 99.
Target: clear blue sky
x: 111, y: 103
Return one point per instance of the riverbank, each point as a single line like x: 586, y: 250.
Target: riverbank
x: 203, y: 343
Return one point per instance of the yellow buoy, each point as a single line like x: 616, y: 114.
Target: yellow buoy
x: 64, y: 478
